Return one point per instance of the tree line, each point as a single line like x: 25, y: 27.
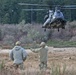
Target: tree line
x: 12, y: 13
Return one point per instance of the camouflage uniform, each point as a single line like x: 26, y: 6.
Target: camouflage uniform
x: 18, y: 55
x: 43, y: 55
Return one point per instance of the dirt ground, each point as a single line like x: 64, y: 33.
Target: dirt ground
x: 56, y: 56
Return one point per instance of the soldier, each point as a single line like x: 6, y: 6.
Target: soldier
x: 18, y: 55
x: 43, y: 55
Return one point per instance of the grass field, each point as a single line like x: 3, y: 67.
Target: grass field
x: 59, y: 63
x: 53, y: 43
x: 61, y: 43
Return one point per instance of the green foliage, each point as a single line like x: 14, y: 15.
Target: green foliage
x: 22, y: 16
x: 2, y: 65
x: 11, y: 12
x: 61, y: 43
x: 0, y: 35
x: 6, y: 18
x: 57, y: 70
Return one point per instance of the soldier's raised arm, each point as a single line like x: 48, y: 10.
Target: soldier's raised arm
x: 35, y: 50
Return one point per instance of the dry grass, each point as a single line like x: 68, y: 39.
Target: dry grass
x: 59, y: 63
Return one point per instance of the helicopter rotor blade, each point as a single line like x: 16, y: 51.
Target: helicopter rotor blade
x: 34, y: 9
x: 69, y: 7
x: 45, y: 5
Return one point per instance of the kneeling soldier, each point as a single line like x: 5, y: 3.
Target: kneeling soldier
x: 18, y: 55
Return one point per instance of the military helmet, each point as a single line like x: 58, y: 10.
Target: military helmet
x: 18, y: 43
x: 42, y: 44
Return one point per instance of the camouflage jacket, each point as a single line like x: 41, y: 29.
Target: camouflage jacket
x: 18, y: 54
x: 43, y: 53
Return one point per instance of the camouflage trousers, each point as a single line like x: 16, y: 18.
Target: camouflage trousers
x: 20, y: 66
x: 43, y: 65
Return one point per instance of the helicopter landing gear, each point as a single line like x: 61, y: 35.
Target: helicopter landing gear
x: 63, y: 27
x: 58, y: 29
x: 44, y: 29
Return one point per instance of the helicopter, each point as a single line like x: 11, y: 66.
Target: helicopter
x: 55, y: 20
x: 49, y: 22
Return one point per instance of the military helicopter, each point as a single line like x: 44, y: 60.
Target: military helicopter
x: 51, y: 23
x: 55, y: 20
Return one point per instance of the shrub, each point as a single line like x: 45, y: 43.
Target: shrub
x: 26, y: 40
x: 8, y: 40
x: 27, y: 33
x: 73, y: 38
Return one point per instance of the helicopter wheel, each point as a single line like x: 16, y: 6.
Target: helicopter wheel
x: 45, y: 29
x: 63, y: 27
x: 58, y: 29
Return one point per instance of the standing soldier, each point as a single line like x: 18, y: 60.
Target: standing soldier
x: 43, y: 55
x: 18, y: 55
